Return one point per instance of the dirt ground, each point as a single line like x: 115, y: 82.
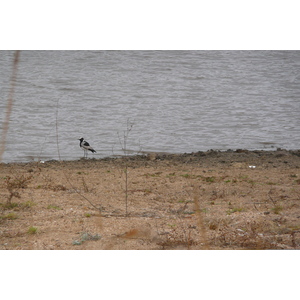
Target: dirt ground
x: 205, y: 200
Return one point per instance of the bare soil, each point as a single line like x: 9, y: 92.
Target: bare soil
x: 205, y: 200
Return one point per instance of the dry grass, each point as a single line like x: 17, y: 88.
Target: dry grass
x: 173, y: 203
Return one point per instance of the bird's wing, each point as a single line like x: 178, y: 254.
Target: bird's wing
x: 85, y: 143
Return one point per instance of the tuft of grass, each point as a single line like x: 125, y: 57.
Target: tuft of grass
x: 28, y: 204
x: 277, y: 209
x: 32, y: 230
x: 53, y: 207
x: 10, y: 216
x: 17, y: 206
x: 171, y: 175
x: 9, y: 205
x: 187, y: 176
x: 235, y: 209
x: 271, y: 183
x: 156, y: 174
x: 210, y: 179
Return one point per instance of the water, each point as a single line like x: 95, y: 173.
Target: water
x: 176, y: 101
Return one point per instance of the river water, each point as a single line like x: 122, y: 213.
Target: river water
x: 164, y: 101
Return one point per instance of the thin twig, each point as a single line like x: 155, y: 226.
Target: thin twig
x: 274, y: 202
x: 9, y: 103
x: 123, y: 145
x: 56, y: 127
x: 67, y: 177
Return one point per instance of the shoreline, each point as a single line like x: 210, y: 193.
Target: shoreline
x: 230, y: 154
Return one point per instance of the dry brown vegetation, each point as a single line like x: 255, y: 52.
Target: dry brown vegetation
x: 204, y: 200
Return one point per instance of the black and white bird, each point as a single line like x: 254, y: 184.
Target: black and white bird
x: 85, y: 146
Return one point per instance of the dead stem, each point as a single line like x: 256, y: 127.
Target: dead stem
x: 200, y: 220
x: 9, y: 103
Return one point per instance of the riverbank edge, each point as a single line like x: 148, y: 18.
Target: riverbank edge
x: 227, y: 155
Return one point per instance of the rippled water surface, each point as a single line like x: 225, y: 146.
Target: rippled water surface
x: 176, y: 101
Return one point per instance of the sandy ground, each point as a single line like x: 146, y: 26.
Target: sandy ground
x: 203, y: 200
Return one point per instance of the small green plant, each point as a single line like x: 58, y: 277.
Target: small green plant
x: 210, y: 179
x: 53, y: 207
x: 9, y: 205
x: 156, y: 174
x: 171, y: 175
x: 235, y: 209
x: 189, y: 212
x: 277, y: 209
x: 32, y: 230
x: 28, y: 204
x: 186, y: 175
x: 87, y: 215
x: 172, y: 225
x: 10, y: 216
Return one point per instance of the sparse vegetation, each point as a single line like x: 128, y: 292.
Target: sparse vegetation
x: 170, y: 199
x: 124, y: 143
x: 173, y: 204
x: 32, y: 230
x: 15, y: 184
x: 235, y: 209
x: 9, y: 216
x: 50, y: 206
x: 277, y: 209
